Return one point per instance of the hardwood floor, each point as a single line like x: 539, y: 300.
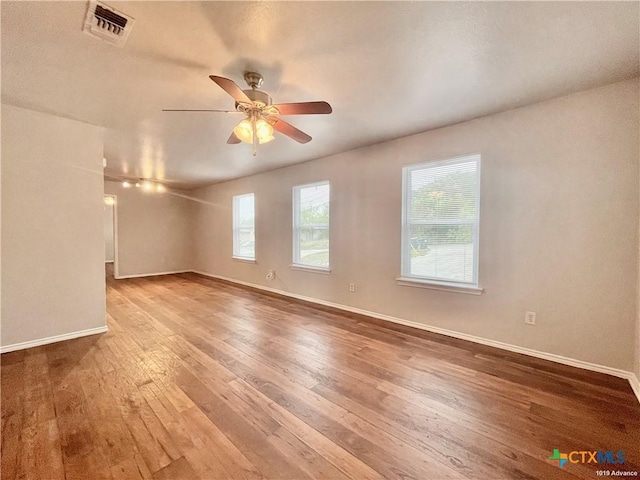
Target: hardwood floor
x: 202, y: 379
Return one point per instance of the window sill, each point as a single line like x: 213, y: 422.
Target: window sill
x: 243, y: 260
x: 307, y: 268
x: 447, y: 287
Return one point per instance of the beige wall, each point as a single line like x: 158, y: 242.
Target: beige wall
x: 558, y: 233
x: 52, y: 226
x: 153, y: 230
x: 637, y: 336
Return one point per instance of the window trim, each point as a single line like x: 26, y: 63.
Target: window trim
x: 296, y: 232
x: 444, y: 286
x: 406, y: 278
x: 308, y: 268
x: 243, y: 259
x: 235, y: 228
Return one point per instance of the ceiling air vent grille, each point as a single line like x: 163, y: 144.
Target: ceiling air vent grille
x: 107, y: 23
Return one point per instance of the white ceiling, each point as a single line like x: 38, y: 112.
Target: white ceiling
x: 389, y: 69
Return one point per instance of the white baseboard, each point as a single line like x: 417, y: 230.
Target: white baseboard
x: 54, y: 339
x: 635, y: 385
x: 451, y: 333
x: 122, y: 277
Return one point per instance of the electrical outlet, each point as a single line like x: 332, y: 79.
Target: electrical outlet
x: 530, y: 318
x: 352, y: 287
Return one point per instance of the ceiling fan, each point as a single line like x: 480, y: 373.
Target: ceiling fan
x: 261, y: 115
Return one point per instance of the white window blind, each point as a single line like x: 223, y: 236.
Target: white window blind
x: 311, y: 225
x: 440, y: 221
x: 244, y: 231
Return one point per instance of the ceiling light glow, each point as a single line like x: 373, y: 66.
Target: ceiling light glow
x: 264, y: 131
x: 244, y: 130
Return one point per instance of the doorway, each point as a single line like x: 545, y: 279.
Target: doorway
x: 110, y: 236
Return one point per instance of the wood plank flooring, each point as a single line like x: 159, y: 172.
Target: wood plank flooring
x: 202, y: 379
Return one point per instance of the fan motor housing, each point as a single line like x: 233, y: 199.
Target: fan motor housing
x: 262, y: 99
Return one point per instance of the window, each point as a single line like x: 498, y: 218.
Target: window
x: 311, y: 225
x: 440, y: 221
x: 244, y: 230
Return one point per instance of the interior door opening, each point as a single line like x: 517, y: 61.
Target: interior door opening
x: 110, y: 236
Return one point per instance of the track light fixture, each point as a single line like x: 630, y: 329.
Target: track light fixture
x: 146, y: 185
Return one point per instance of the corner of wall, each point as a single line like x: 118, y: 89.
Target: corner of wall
x: 154, y: 231
x: 51, y: 225
x: 637, y: 329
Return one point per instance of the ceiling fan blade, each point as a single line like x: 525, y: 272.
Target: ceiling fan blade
x: 304, y: 108
x: 289, y: 130
x: 203, y: 110
x: 232, y: 89
x: 233, y: 139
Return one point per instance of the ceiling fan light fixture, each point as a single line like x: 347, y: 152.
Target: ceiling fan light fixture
x: 264, y: 131
x: 244, y: 131
x: 262, y: 116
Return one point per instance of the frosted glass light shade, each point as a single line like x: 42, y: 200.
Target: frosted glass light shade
x: 244, y: 131
x: 264, y: 131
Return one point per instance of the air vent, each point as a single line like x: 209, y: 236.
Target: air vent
x: 107, y: 23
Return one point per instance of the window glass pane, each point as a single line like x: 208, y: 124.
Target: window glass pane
x: 246, y: 212
x: 314, y: 246
x: 246, y: 243
x: 244, y: 226
x: 311, y: 225
x: 442, y: 252
x: 441, y: 221
x: 314, y: 205
x: 444, y: 193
